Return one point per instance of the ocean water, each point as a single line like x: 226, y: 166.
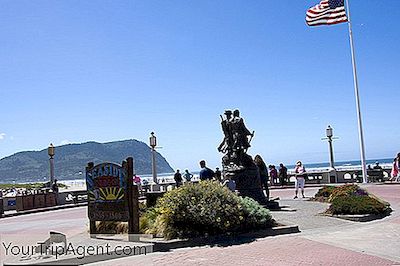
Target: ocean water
x: 350, y: 164
x: 311, y: 167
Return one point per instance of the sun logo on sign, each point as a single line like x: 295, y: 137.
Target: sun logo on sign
x: 111, y: 193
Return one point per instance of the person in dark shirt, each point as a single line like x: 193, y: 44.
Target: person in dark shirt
x: 282, y: 174
x: 377, y: 166
x: 205, y: 173
x: 379, y: 169
x: 178, y: 178
x: 54, y: 187
x: 188, y: 176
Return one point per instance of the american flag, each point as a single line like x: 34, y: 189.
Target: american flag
x: 327, y: 12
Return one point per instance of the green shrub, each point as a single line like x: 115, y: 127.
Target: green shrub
x: 329, y: 193
x: 324, y: 192
x: 347, y: 190
x: 354, y: 204
x: 387, y: 204
x: 202, y: 209
x: 255, y: 216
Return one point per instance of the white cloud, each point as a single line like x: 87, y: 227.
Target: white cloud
x: 65, y: 142
x: 2, y: 136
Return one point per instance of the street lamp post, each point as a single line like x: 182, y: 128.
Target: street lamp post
x: 329, y: 135
x: 50, y: 151
x: 153, y: 144
x: 332, y: 170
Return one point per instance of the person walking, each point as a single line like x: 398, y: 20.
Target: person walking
x: 282, y: 174
x: 300, y: 172
x: 378, y: 169
x: 178, y: 178
x: 262, y: 169
x: 188, y: 176
x: 205, y: 172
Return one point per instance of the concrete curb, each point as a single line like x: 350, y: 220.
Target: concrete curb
x: 161, y: 245
x: 67, y: 206
x: 390, y: 183
x: 306, y: 185
x: 359, y: 217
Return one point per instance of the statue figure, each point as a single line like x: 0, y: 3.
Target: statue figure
x: 227, y: 142
x: 240, y: 133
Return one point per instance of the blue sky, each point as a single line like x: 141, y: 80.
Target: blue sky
x: 75, y: 71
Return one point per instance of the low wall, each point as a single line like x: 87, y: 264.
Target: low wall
x: 321, y: 177
x: 340, y: 176
x: 41, y: 200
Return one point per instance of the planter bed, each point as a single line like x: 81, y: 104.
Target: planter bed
x: 360, y: 217
x: 161, y: 244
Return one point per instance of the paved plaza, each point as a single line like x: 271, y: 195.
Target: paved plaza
x: 322, y: 241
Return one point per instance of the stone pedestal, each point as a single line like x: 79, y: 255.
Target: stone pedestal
x: 272, y: 205
x: 332, y: 175
x: 248, y: 183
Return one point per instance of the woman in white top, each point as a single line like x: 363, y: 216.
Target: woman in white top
x: 300, y: 172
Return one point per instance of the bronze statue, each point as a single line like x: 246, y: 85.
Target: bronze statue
x: 236, y: 141
x: 237, y: 164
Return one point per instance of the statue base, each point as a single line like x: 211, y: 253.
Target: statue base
x: 248, y: 182
x: 272, y: 205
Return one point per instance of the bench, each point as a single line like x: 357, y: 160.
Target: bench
x: 375, y: 175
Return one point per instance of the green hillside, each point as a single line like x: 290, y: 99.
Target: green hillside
x: 70, y: 161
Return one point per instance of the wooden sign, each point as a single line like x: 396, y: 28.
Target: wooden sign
x: 107, y: 185
x: 111, y: 194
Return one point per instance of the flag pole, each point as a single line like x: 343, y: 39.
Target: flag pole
x: 360, y: 130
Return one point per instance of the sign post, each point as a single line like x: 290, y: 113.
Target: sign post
x: 112, y: 195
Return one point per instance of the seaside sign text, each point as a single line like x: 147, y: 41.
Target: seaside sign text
x: 111, y: 194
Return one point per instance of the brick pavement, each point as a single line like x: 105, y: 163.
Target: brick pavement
x: 279, y: 250
x: 323, y: 240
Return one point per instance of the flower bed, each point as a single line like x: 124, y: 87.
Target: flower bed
x: 356, y: 205
x: 351, y: 200
x: 323, y: 193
